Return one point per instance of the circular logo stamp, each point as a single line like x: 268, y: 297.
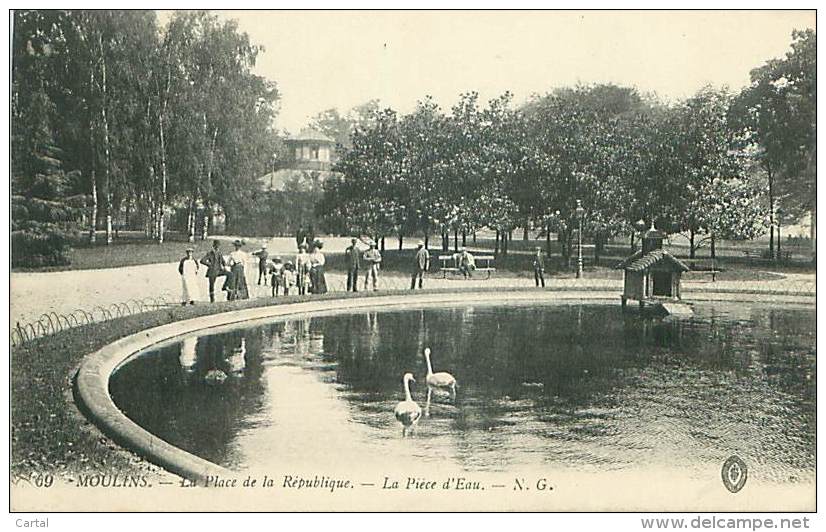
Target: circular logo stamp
x: 734, y: 474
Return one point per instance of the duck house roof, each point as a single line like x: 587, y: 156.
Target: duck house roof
x: 639, y: 261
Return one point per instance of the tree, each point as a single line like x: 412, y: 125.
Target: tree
x: 340, y: 127
x: 44, y: 214
x: 581, y: 148
x: 777, y: 113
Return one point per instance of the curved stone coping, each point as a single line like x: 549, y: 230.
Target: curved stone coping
x: 92, y: 381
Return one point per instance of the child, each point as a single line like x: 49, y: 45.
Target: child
x: 288, y: 277
x: 275, y: 270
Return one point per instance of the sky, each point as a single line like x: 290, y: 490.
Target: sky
x: 341, y: 59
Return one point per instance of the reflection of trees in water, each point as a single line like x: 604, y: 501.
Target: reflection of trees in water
x: 168, y: 396
x: 550, y: 370
x: 562, y: 356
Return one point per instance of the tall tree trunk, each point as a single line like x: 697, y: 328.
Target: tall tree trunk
x: 149, y: 226
x: 691, y: 248
x: 426, y: 238
x: 779, y: 240
x: 464, y: 238
x: 162, y: 138
x: 563, y: 238
x: 772, y: 253
x: 93, y: 216
x: 633, y: 244
x: 401, y: 241
x: 713, y: 246
x: 599, y: 245
x: 813, y: 233
x: 382, y: 244
x: 455, y: 240
x: 107, y: 157
x: 525, y: 230
x: 207, y: 220
x: 548, y: 239
x: 505, y: 240
x: 445, y: 240
x: 496, y: 245
x: 204, y: 234
x: 474, y: 236
x: 190, y: 221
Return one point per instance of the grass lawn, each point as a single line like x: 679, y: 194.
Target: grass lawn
x: 133, y: 249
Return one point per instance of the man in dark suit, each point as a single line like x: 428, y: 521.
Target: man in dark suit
x: 539, y: 268
x: 216, y: 266
x: 353, y: 256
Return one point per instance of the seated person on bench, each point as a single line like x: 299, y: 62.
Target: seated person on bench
x: 465, y: 262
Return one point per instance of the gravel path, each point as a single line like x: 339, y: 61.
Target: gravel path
x: 33, y: 294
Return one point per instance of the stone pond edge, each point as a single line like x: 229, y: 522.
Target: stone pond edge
x: 92, y: 379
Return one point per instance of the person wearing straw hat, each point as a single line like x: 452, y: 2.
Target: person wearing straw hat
x: 373, y: 258
x: 262, y: 255
x: 466, y: 262
x: 236, y: 285
x: 421, y: 263
x: 302, y: 269
x: 188, y: 268
x: 276, y: 268
x: 288, y: 277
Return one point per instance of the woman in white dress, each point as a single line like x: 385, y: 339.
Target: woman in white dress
x: 188, y: 268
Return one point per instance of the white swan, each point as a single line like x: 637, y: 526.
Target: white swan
x: 215, y: 377
x: 441, y: 380
x: 407, y: 412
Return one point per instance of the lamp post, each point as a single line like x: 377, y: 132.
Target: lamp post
x: 579, y: 213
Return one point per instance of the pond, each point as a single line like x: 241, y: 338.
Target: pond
x: 575, y: 387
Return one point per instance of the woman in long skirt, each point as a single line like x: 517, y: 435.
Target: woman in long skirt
x: 317, y: 261
x: 188, y: 268
x: 237, y: 280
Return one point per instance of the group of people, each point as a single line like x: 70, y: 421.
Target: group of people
x: 306, y: 273
x: 372, y: 258
x: 231, y: 267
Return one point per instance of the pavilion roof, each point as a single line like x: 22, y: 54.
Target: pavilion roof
x: 310, y: 134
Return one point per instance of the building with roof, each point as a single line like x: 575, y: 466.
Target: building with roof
x: 310, y: 159
x: 651, y: 275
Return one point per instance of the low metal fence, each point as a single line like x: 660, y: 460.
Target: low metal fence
x: 53, y: 322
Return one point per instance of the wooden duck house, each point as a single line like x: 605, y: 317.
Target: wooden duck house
x: 652, y: 276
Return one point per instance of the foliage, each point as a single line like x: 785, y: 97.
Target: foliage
x: 151, y: 116
x: 44, y: 213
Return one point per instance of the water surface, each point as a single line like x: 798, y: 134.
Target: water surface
x: 576, y: 387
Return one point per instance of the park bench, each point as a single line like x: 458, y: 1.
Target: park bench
x: 449, y: 264
x: 758, y: 254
